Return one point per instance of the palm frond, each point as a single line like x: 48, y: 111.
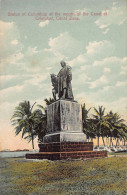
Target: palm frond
x: 96, y: 111
x: 32, y: 106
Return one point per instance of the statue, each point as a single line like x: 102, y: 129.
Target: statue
x: 54, y: 81
x: 62, y: 83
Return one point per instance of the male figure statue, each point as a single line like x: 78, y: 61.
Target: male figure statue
x: 64, y: 78
x: 55, y: 85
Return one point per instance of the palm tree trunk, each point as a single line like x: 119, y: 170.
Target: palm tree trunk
x: 32, y: 142
x: 98, y: 141
x: 122, y: 142
x: 117, y: 142
x: 110, y: 141
x: 106, y: 141
x: 103, y: 141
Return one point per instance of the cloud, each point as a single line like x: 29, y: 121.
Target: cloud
x: 65, y: 45
x: 43, y: 24
x: 119, y: 105
x: 13, y: 59
x: 124, y: 67
x: 10, y: 93
x: 40, y: 61
x: 96, y: 68
x: 125, y: 61
x: 11, y: 48
x: 7, y: 77
x: 9, y: 36
x: 115, y: 16
x: 107, y: 70
x: 27, y: 89
x: 109, y: 97
x: 106, y: 31
x: 37, y: 79
x: 111, y: 67
x: 94, y: 50
x: 123, y: 70
x: 93, y: 100
x: 17, y: 88
x: 79, y: 60
x: 99, y: 82
x: 121, y: 83
x: 99, y: 47
x: 110, y: 64
x: 14, y: 42
x: 5, y: 26
x: 31, y: 51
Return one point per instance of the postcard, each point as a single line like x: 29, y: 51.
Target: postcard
x: 37, y: 38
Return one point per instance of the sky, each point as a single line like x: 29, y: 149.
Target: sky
x: 93, y: 44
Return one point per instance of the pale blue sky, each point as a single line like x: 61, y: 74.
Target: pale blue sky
x: 95, y: 47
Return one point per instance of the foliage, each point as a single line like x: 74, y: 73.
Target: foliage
x: 49, y: 101
x: 88, y: 125
x: 41, y: 131
x: 30, y: 123
x: 27, y: 121
x: 33, y: 123
x: 101, y: 125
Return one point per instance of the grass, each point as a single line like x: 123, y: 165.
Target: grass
x: 98, y: 176
x: 123, y: 153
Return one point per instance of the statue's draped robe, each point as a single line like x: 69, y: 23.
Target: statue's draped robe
x: 64, y: 82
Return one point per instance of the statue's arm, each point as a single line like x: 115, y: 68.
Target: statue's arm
x: 69, y: 74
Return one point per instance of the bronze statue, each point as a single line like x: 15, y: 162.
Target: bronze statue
x: 54, y: 81
x: 62, y: 83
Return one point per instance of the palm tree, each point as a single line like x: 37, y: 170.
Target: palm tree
x: 25, y: 121
x: 42, y: 122
x: 49, y: 101
x: 85, y: 113
x: 118, y: 130
x: 87, y: 123
x: 102, y: 124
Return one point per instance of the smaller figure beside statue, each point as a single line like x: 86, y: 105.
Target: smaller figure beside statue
x: 62, y: 83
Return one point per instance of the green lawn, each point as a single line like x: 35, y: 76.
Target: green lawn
x: 118, y: 153
x: 98, y: 176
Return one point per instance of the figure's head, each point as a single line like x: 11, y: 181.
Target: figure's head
x: 52, y: 75
x: 63, y: 63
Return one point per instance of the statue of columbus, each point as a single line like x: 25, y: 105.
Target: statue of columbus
x: 62, y: 82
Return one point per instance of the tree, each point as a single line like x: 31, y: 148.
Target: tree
x: 101, y: 122
x: 49, y: 101
x: 88, y: 125
x: 42, y: 122
x: 118, y: 130
x: 25, y: 121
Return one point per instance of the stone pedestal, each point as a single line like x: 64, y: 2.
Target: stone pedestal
x: 65, y: 138
x: 64, y: 122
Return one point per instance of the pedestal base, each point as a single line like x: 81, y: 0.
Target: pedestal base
x: 65, y: 137
x: 66, y: 150
x: 67, y: 155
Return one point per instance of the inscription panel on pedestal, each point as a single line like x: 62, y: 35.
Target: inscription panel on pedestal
x: 64, y: 115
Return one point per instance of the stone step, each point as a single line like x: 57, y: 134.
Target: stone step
x: 67, y: 155
x: 65, y: 146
